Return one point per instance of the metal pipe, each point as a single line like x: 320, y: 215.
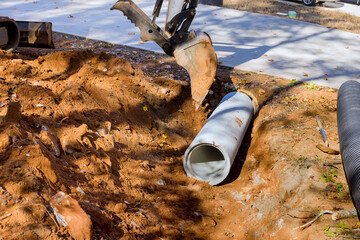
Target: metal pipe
x: 211, y: 154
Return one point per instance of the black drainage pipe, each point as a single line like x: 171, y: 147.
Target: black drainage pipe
x: 348, y: 121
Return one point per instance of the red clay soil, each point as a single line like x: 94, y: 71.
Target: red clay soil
x: 103, y: 128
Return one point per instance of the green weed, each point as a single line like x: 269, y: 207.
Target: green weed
x: 328, y: 232
x: 343, y: 228
x: 329, y: 177
x: 339, y: 187
x: 312, y: 85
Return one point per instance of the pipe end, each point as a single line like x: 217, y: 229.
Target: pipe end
x: 207, y: 162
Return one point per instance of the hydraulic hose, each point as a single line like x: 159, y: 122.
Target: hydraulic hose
x: 348, y: 120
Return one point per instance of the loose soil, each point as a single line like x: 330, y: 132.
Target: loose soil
x: 108, y: 126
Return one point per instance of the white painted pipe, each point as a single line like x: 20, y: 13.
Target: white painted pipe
x: 211, y: 154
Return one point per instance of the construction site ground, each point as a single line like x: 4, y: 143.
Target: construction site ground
x: 109, y: 124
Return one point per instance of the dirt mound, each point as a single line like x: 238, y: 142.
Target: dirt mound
x: 111, y: 135
x: 94, y: 127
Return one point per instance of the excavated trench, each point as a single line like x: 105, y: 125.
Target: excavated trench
x: 109, y: 125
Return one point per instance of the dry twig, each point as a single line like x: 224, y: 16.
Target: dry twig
x: 334, y: 216
x: 316, y: 218
x: 5, y: 216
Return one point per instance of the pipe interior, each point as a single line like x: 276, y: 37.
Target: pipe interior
x: 3, y: 36
x: 207, y: 162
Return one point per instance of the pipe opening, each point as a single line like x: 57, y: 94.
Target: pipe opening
x: 207, y: 162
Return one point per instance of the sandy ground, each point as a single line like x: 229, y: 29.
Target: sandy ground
x: 96, y: 133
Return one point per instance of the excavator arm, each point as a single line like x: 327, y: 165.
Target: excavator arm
x: 192, y: 50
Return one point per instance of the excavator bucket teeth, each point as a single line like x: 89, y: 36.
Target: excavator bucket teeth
x: 198, y: 57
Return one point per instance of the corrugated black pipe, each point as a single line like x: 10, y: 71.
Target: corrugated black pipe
x: 348, y: 120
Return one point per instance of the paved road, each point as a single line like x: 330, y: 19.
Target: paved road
x: 249, y: 41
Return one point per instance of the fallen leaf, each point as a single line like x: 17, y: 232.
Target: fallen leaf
x: 356, y: 226
x: 328, y: 150
x: 262, y: 91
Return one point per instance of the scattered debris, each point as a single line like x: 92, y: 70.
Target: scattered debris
x: 322, y: 131
x: 5, y: 216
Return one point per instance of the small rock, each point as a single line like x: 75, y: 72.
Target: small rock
x: 5, y: 141
x: 69, y: 213
x: 17, y: 61
x: 120, y: 208
x: 70, y: 138
x: 106, y: 142
x: 80, y: 190
x: 102, y: 132
x: 164, y: 90
x: 161, y: 182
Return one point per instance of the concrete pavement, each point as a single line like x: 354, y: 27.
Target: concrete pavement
x: 273, y: 45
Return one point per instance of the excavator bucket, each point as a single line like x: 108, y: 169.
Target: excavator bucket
x: 15, y: 34
x: 198, y: 57
x: 193, y: 51
x: 9, y: 34
x: 35, y: 34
